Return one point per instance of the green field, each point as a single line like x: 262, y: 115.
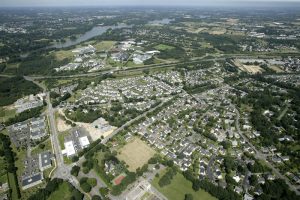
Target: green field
x: 179, y: 187
x: 63, y: 54
x: 13, y: 185
x: 37, y: 149
x: 21, y: 155
x: 104, y: 45
x: 3, y: 173
x: 62, y: 192
x: 163, y: 47
x: 5, y: 114
x: 61, y: 139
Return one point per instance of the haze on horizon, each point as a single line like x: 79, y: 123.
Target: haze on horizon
x: 16, y: 3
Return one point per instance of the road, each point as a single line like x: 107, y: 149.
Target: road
x: 61, y: 171
x: 209, y: 169
x: 283, y: 112
x: 261, y: 156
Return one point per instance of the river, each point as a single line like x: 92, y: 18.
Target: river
x: 97, y: 30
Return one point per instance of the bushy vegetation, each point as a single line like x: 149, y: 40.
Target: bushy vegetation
x: 11, y: 89
x: 217, y: 191
x: 7, y: 152
x: 35, y: 112
x: 40, y: 64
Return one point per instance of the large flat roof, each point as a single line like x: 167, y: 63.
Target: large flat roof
x: 84, y: 141
x: 69, y: 147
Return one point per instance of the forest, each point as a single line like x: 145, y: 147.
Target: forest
x: 12, y: 89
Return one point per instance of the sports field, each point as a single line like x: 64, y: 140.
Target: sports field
x: 135, y: 154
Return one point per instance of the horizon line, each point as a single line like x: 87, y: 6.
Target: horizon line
x: 254, y: 3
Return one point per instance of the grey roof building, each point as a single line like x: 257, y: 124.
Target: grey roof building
x: 45, y: 159
x: 31, y: 181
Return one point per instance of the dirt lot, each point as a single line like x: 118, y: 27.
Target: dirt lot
x: 94, y: 129
x: 253, y: 69
x: 62, y: 125
x: 135, y: 154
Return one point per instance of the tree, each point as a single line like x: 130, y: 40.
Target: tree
x: 75, y: 158
x: 86, y: 170
x: 77, y: 195
x: 75, y: 170
x: 96, y: 197
x: 42, y: 146
x: 92, y: 181
x: 188, y: 197
x: 86, y: 187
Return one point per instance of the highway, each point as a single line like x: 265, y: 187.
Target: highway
x: 124, y: 69
x: 63, y: 171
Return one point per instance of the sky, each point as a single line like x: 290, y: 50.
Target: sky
x: 129, y: 2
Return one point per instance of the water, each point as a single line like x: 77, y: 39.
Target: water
x: 98, y: 30
x: 161, y: 22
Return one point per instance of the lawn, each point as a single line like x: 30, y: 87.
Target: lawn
x: 37, y: 149
x: 132, y: 64
x: 135, y: 154
x: 179, y: 187
x: 61, y: 193
x: 163, y: 47
x: 19, y: 163
x: 61, y: 139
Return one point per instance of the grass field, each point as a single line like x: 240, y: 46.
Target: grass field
x: 61, y: 193
x: 179, y: 187
x: 62, y: 54
x: 5, y: 114
x: 104, y: 45
x: 13, y: 185
x: 135, y: 154
x: 163, y: 47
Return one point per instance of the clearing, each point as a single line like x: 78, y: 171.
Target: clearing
x: 63, y: 54
x: 6, y: 113
x: 62, y: 125
x: 252, y: 69
x: 179, y: 187
x: 277, y: 69
x: 163, y: 47
x: 135, y: 154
